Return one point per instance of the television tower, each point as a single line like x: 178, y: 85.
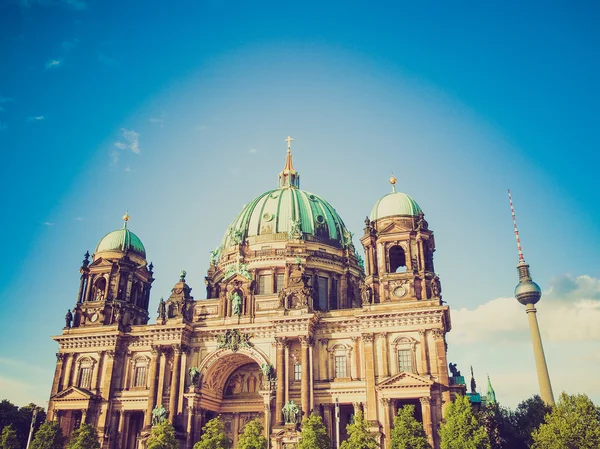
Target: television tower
x: 529, y: 293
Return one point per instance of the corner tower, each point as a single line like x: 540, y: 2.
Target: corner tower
x: 115, y: 287
x: 399, y: 251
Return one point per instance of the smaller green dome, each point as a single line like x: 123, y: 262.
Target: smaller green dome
x: 395, y: 203
x: 121, y: 240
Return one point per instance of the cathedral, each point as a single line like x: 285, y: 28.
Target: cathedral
x: 294, y: 322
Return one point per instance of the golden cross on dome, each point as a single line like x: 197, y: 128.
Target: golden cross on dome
x: 289, y: 142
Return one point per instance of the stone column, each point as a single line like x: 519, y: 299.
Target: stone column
x: 328, y: 420
x: 424, y: 358
x: 286, y: 362
x: 156, y: 351
x: 68, y: 371
x: 189, y: 427
x: 184, y: 354
x: 305, y: 383
x: 83, y: 415
x: 427, y: 423
x: 267, y: 410
x: 312, y: 377
x: 382, y: 356
x: 442, y: 364
x: 160, y: 391
x: 174, y: 392
x: 281, y: 344
x: 387, y: 421
x: 107, y: 387
x: 60, y: 357
x: 354, y: 359
x: 124, y: 429
x: 96, y: 383
x: 369, y: 365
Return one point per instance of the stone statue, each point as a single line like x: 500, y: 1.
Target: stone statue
x: 473, y: 383
x: 234, y: 340
x: 455, y: 372
x: 367, y: 222
x: 435, y: 287
x: 68, y: 319
x: 194, y: 376
x: 366, y: 293
x: 162, y: 310
x: 214, y: 256
x: 290, y: 413
x: 236, y: 304
x: 267, y: 371
x: 159, y: 415
x: 295, y: 231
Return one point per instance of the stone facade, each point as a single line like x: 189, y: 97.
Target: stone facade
x: 288, y: 316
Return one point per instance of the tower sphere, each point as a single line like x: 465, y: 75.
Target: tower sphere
x: 528, y: 292
x: 122, y: 240
x: 395, y: 204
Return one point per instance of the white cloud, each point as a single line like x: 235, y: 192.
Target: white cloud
x: 569, y: 311
x: 114, y: 157
x: 79, y: 218
x: 36, y: 118
x: 132, y: 138
x: 120, y: 145
x: 252, y: 151
x: 127, y: 169
x: 48, y: 223
x: 53, y: 63
x: 157, y: 121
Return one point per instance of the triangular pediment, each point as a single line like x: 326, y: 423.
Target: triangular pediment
x: 405, y: 380
x: 392, y: 228
x: 73, y: 394
x: 100, y: 262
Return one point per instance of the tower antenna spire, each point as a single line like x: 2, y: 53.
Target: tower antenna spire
x: 514, y: 217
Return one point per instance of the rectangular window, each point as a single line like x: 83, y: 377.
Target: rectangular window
x: 85, y: 377
x: 262, y: 284
x: 405, y: 360
x: 297, y: 372
x: 140, y: 376
x: 323, y: 291
x: 340, y: 366
x: 279, y: 282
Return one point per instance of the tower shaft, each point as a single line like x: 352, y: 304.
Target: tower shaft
x: 540, y: 359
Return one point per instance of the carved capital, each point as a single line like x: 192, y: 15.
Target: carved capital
x: 425, y: 401
x: 111, y: 354
x: 177, y: 349
x: 385, y: 402
x: 305, y: 340
x: 422, y: 332
x: 61, y: 357
x: 381, y: 336
x: 281, y: 342
x: 354, y: 338
x: 367, y: 338
x: 324, y: 341
x: 156, y: 350
x: 438, y: 333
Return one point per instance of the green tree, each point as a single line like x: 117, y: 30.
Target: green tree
x: 314, y: 434
x: 462, y: 429
x: 162, y: 436
x: 252, y: 437
x: 213, y: 436
x: 359, y: 436
x: 9, y: 414
x: 9, y: 438
x: 86, y: 437
x: 574, y: 423
x: 48, y: 436
x: 408, y: 433
x: 527, y: 417
x: 499, y: 423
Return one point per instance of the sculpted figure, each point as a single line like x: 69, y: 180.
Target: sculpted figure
x: 68, y: 319
x: 159, y: 414
x: 162, y: 309
x: 290, y: 413
x: 236, y: 304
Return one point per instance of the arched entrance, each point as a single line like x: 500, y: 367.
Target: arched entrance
x: 234, y: 386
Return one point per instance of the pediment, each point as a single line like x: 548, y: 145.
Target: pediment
x: 392, y: 228
x: 405, y: 380
x: 73, y: 394
x: 100, y: 262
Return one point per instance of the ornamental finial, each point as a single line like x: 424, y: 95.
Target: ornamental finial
x: 288, y: 176
x: 393, y: 181
x: 126, y: 218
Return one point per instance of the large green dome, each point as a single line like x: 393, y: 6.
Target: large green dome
x: 288, y: 213
x: 395, y: 204
x: 121, y: 240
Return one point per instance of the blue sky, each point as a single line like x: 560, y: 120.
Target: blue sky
x: 177, y: 111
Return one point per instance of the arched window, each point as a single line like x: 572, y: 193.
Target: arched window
x: 99, y: 289
x: 397, y: 259
x: 405, y: 349
x: 140, y: 372
x: 339, y: 357
x: 85, y: 368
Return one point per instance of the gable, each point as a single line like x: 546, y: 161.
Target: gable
x: 405, y: 380
x: 72, y: 394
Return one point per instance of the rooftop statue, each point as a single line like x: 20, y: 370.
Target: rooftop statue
x: 290, y: 413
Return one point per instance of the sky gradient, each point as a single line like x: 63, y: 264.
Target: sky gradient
x: 178, y: 113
